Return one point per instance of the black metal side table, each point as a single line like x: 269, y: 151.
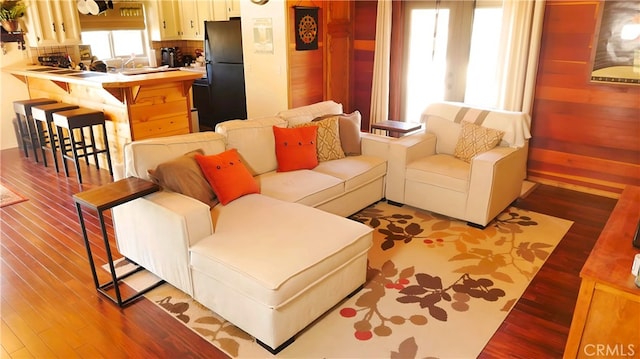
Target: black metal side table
x: 101, y: 199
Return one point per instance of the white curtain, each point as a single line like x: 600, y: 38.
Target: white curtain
x: 380, y: 85
x: 518, y: 60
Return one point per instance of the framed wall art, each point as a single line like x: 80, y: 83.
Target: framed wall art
x: 616, y: 57
x: 306, y: 27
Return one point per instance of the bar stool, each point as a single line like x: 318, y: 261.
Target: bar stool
x: 26, y: 129
x: 43, y: 120
x: 73, y: 148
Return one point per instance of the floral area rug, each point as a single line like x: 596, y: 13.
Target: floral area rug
x: 8, y: 197
x: 436, y: 288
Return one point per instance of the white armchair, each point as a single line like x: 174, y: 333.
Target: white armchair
x: 424, y: 173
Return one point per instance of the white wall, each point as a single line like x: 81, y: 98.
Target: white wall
x: 265, y: 73
x: 12, y: 89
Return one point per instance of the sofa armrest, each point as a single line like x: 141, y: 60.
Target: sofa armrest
x: 156, y: 231
x: 375, y: 145
x: 495, y: 181
x: 401, y: 152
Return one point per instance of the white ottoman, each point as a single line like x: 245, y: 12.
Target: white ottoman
x: 273, y: 267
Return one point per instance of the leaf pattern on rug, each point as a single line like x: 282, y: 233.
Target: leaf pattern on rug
x: 402, y: 229
x: 217, y: 330
x: 408, y: 349
x: 428, y: 291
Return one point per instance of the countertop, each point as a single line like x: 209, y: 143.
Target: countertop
x: 101, y: 79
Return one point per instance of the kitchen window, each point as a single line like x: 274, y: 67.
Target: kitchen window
x: 115, y: 43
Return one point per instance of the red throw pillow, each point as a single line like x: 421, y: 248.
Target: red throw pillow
x: 227, y: 175
x: 296, y: 148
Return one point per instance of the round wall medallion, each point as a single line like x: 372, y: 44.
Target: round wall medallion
x: 259, y: 2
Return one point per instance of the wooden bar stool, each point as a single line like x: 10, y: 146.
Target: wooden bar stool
x: 26, y: 129
x: 74, y: 147
x: 43, y: 122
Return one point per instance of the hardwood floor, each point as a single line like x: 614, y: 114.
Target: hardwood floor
x: 49, y: 307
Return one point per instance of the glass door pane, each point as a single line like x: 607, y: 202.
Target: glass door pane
x: 426, y: 60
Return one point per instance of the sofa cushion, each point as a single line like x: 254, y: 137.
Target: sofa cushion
x: 475, y: 139
x: 446, y: 131
x: 328, y: 143
x: 141, y: 156
x: 296, y: 148
x: 228, y: 176
x: 356, y: 171
x: 291, y: 255
x: 440, y: 170
x: 183, y: 175
x: 254, y: 141
x: 307, y: 113
x: 305, y: 186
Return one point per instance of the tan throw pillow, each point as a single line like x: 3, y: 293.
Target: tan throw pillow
x: 328, y: 142
x: 349, y: 128
x: 350, y: 133
x: 475, y: 139
x: 183, y: 175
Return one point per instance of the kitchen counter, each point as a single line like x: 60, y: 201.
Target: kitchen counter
x: 136, y: 106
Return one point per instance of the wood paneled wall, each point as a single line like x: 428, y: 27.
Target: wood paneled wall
x: 586, y: 135
x: 306, y: 68
x: 325, y: 73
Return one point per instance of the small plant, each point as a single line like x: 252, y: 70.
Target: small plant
x: 12, y: 10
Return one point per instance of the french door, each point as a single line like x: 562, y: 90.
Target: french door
x: 437, y: 48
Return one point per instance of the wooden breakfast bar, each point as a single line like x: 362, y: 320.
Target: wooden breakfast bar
x: 136, y: 106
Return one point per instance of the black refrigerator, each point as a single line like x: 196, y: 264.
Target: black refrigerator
x: 225, y: 73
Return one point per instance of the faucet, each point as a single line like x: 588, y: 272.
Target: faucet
x: 130, y: 60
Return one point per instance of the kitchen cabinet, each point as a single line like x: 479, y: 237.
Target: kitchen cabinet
x: 205, y: 12
x: 193, y: 14
x: 233, y: 8
x: 188, y: 19
x: 224, y: 9
x: 51, y: 23
x: 164, y: 20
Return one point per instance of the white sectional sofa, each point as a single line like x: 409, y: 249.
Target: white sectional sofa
x: 272, y: 262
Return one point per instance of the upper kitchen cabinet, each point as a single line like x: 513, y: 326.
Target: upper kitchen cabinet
x: 193, y: 14
x: 233, y: 8
x: 53, y: 22
x: 225, y: 9
x: 164, y: 20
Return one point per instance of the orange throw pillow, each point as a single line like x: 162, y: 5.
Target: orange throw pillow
x: 296, y: 148
x: 227, y: 175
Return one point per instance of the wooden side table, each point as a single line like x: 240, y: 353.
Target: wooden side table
x: 396, y: 128
x: 606, y: 319
x: 101, y: 199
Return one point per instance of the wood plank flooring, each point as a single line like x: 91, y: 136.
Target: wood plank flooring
x: 49, y: 307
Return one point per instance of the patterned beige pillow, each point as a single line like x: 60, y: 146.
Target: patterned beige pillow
x: 328, y: 141
x: 475, y: 139
x: 349, y: 128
